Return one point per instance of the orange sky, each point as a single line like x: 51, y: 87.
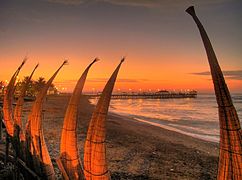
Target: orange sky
x: 133, y: 75
x: 162, y: 44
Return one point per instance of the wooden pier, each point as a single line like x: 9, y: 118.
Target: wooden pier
x: 157, y: 95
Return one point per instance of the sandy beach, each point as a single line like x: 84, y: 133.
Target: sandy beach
x: 135, y: 150
x: 173, y: 70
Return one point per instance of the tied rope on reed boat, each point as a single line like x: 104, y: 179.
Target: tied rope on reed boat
x: 8, y: 102
x: 230, y: 155
x: 69, y: 154
x: 41, y: 161
x: 19, y: 105
x: 95, y: 165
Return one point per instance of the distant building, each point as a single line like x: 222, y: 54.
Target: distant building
x: 162, y: 92
x: 52, y: 91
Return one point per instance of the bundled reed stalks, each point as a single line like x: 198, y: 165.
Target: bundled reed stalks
x: 95, y: 165
x: 39, y: 156
x: 230, y: 155
x: 8, y: 102
x: 69, y: 161
x: 35, y: 152
x: 19, y: 106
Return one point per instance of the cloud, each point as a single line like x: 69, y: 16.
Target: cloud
x: 67, y: 2
x: 234, y: 75
x: 139, y: 3
x: 145, y: 3
x: 159, y: 3
x: 142, y: 3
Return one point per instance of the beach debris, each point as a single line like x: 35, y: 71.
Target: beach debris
x: 40, y: 159
x: 19, y: 106
x: 8, y: 102
x: 69, y: 161
x: 230, y: 155
x: 95, y: 165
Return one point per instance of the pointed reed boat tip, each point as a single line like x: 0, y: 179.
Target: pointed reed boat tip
x: 96, y: 59
x: 37, y: 65
x: 23, y: 62
x: 122, y: 60
x: 65, y: 62
x: 190, y: 10
x: 34, y: 70
x: 25, y: 58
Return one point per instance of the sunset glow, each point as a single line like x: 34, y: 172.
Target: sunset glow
x: 120, y: 89
x: 162, y: 50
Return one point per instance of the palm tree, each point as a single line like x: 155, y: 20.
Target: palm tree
x: 30, y: 89
x: 39, y: 84
x: 1, y: 89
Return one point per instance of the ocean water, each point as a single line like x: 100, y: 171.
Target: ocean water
x: 196, y: 117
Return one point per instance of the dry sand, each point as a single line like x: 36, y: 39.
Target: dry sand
x: 135, y: 150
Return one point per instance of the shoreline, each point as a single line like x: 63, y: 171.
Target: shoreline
x: 166, y: 154
x: 162, y: 130
x: 137, y: 118
x: 170, y: 128
x: 135, y: 150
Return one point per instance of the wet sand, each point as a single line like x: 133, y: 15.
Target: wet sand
x: 135, y: 150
